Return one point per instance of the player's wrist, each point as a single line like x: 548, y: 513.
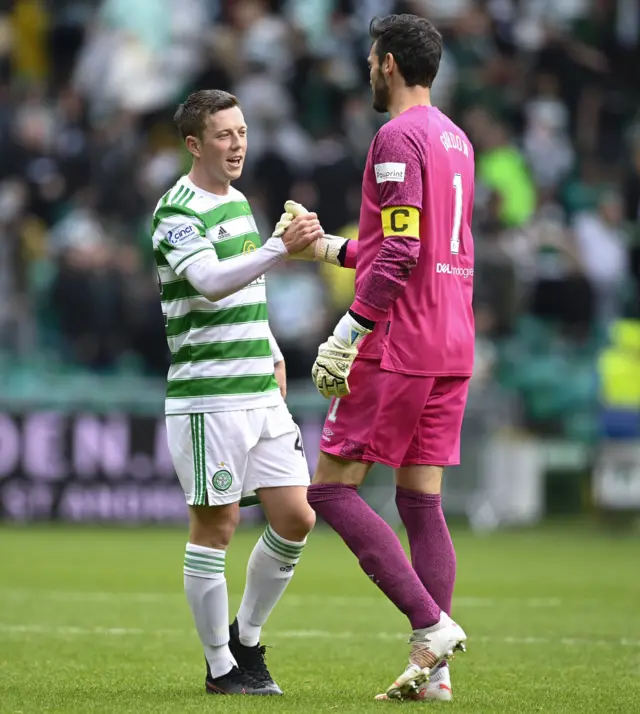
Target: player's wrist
x: 275, y: 245
x: 328, y: 249
x: 363, y: 321
x: 349, y: 331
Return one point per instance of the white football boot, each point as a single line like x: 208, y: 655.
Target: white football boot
x: 438, y: 688
x: 429, y: 647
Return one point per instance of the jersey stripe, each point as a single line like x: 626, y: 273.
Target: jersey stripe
x: 226, y: 212
x: 172, y: 209
x: 181, y: 388
x: 235, y: 246
x: 229, y: 316
x: 243, y: 349
x: 190, y: 255
x: 186, y: 198
x: 161, y: 261
x: 221, y: 333
x: 248, y: 367
x: 179, y: 194
x: 221, y: 351
x: 177, y: 290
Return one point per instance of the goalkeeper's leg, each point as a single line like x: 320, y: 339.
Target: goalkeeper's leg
x: 348, y: 437
x: 376, y: 422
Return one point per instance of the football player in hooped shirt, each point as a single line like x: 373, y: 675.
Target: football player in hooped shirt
x: 398, y: 363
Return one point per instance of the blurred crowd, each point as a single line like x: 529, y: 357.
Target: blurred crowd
x: 547, y: 90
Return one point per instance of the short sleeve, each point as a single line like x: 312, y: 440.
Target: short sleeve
x: 179, y: 235
x: 399, y: 167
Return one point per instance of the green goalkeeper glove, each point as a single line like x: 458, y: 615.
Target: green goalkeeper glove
x: 325, y: 249
x: 335, y: 356
x: 282, y: 225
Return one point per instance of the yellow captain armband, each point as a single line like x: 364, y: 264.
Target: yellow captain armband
x: 401, y: 221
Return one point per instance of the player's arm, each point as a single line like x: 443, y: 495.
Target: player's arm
x: 181, y: 239
x: 327, y: 249
x: 279, y: 369
x: 392, y: 267
x: 399, y: 170
x: 179, y: 235
x: 275, y: 349
x: 399, y: 174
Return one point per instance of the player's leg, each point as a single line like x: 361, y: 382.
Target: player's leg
x: 436, y: 444
x: 274, y: 557
x: 355, y: 433
x: 213, y: 516
x: 278, y: 472
x: 205, y: 585
x: 419, y: 502
x: 432, y: 555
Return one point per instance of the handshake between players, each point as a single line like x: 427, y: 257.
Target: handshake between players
x: 397, y: 367
x: 336, y: 355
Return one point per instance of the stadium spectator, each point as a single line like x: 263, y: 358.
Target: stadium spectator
x: 547, y: 91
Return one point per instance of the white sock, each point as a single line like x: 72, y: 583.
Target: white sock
x: 269, y: 571
x: 206, y: 590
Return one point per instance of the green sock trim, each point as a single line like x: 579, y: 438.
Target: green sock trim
x: 203, y: 564
x: 285, y: 544
x: 205, y: 557
x: 274, y: 542
x: 202, y: 568
x: 212, y: 562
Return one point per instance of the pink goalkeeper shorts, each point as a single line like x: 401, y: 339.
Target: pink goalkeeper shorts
x: 397, y: 419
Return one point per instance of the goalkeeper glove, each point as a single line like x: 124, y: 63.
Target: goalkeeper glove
x: 335, y: 356
x: 325, y: 249
x: 282, y: 225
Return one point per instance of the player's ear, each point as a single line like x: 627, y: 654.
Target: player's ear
x: 193, y: 145
x: 388, y: 64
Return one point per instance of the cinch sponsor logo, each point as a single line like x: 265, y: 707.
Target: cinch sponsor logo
x: 452, y: 270
x: 180, y: 234
x: 390, y: 171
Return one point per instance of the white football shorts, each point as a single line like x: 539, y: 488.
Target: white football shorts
x: 221, y: 456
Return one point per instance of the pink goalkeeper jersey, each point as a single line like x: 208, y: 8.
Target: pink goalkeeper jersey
x: 422, y: 159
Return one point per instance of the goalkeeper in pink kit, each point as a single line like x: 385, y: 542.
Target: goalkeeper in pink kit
x: 398, y: 363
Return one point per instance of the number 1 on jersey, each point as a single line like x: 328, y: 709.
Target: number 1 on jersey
x: 457, y: 214
x: 333, y: 409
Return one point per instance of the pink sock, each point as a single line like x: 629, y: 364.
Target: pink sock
x: 432, y: 553
x: 377, y: 548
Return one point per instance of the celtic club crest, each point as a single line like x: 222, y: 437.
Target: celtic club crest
x: 222, y: 480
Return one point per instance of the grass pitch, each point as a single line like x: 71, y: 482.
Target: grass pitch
x: 94, y: 620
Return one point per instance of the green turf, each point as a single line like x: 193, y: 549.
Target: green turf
x: 94, y: 620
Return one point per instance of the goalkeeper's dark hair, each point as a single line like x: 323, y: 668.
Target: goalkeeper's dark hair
x: 415, y: 44
x: 191, y: 116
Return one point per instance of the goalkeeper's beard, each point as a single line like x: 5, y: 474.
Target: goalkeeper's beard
x: 380, y: 95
